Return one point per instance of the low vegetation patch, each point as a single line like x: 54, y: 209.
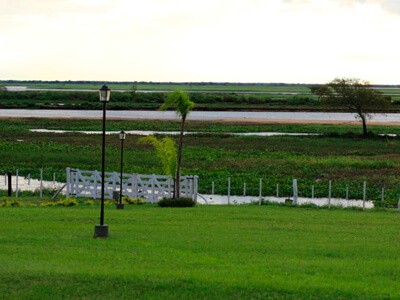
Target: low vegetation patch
x: 343, y: 157
x: 65, y: 202
x: 176, y: 202
x: 133, y: 201
x: 10, y: 202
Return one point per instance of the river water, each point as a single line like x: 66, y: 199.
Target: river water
x: 198, y: 115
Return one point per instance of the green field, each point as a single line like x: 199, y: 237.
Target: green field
x: 190, y: 86
x: 244, y: 252
x: 148, y: 95
x: 340, y: 155
x: 164, y: 86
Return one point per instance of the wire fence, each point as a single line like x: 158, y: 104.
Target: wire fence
x: 263, y: 187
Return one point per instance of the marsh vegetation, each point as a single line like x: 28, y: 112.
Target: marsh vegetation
x: 340, y: 155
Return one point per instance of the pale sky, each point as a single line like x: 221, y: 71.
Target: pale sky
x: 292, y: 41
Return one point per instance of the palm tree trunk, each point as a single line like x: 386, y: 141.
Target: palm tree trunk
x: 178, y: 166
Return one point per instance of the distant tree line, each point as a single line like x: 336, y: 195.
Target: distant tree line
x: 134, y: 100
x: 188, y: 83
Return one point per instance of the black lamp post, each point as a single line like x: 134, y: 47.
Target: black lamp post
x: 101, y: 230
x: 122, y: 136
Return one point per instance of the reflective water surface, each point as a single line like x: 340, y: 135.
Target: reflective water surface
x: 195, y: 115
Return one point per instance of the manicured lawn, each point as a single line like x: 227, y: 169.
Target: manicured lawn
x: 202, y: 252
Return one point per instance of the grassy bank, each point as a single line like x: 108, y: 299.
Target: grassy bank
x: 204, y: 252
x: 340, y: 155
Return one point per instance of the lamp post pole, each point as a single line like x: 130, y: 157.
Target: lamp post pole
x: 103, y: 159
x: 102, y: 229
x: 122, y: 136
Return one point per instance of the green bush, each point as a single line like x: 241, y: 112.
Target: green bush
x: 177, y: 202
x: 47, y: 204
x: 10, y: 202
x: 133, y: 201
x: 66, y: 202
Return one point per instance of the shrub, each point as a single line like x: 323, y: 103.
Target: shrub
x: 47, y: 204
x: 89, y: 202
x: 66, y: 202
x: 10, y: 202
x: 133, y: 201
x: 177, y: 202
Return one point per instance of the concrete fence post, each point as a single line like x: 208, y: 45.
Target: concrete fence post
x: 295, y: 192
x: 67, y: 190
x: 364, y: 193
x: 229, y: 190
x: 41, y: 182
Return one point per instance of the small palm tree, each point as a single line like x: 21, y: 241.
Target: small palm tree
x: 166, y: 152
x: 180, y: 101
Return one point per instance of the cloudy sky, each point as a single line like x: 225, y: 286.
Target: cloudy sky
x: 293, y: 41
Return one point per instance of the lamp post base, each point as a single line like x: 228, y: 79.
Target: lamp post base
x: 101, y: 231
x: 120, y: 205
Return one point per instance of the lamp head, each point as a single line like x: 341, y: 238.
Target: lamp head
x: 122, y: 135
x: 104, y: 93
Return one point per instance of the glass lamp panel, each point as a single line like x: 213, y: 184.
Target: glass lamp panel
x: 122, y: 135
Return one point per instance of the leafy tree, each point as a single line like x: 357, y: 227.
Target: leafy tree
x: 354, y: 95
x: 180, y: 101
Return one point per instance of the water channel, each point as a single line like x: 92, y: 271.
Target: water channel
x: 250, y: 116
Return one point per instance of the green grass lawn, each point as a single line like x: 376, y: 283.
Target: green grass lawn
x: 202, y: 252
